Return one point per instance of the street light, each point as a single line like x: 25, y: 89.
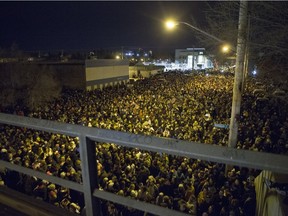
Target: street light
x: 225, y: 48
x: 171, y: 24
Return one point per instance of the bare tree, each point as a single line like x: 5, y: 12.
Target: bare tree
x: 268, y: 33
x: 269, y: 36
x: 29, y: 85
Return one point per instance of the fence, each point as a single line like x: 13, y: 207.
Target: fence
x: 87, y: 136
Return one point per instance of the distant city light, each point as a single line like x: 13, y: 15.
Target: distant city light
x: 254, y: 72
x: 128, y: 53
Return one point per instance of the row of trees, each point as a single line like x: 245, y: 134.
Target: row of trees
x: 14, y: 52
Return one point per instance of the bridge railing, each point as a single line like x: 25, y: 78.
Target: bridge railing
x: 87, y: 137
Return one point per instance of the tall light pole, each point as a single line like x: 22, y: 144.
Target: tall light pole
x: 193, y: 52
x: 245, y: 74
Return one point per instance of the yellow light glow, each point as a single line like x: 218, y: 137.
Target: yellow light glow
x: 117, y: 57
x: 170, y: 24
x: 225, y: 48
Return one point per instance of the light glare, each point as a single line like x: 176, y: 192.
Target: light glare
x: 170, y: 24
x: 225, y: 49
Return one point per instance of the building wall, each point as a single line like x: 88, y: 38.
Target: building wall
x: 105, y: 72
x: 144, y: 71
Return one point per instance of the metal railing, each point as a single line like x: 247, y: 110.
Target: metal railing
x: 87, y: 136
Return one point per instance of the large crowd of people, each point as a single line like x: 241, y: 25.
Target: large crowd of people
x: 174, y: 105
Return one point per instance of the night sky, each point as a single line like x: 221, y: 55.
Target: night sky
x: 99, y: 24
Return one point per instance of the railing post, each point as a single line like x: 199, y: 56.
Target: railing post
x: 89, y: 175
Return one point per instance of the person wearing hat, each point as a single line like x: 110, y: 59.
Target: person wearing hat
x: 75, y: 208
x: 110, y: 186
x: 52, y: 193
x: 159, y: 198
x: 152, y: 187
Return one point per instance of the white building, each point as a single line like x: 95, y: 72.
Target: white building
x: 192, y: 58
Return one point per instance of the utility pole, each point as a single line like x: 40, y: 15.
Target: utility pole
x: 238, y: 79
x: 246, y: 64
x: 193, y: 59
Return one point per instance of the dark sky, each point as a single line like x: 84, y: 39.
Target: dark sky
x: 99, y: 24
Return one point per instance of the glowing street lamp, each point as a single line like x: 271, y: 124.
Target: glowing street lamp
x: 225, y: 48
x: 170, y: 24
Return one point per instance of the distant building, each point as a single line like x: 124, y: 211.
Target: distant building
x: 193, y: 58
x: 141, y: 70
x: 105, y: 72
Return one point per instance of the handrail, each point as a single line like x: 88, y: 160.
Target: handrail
x: 136, y: 204
x: 213, y: 153
x: 41, y: 175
